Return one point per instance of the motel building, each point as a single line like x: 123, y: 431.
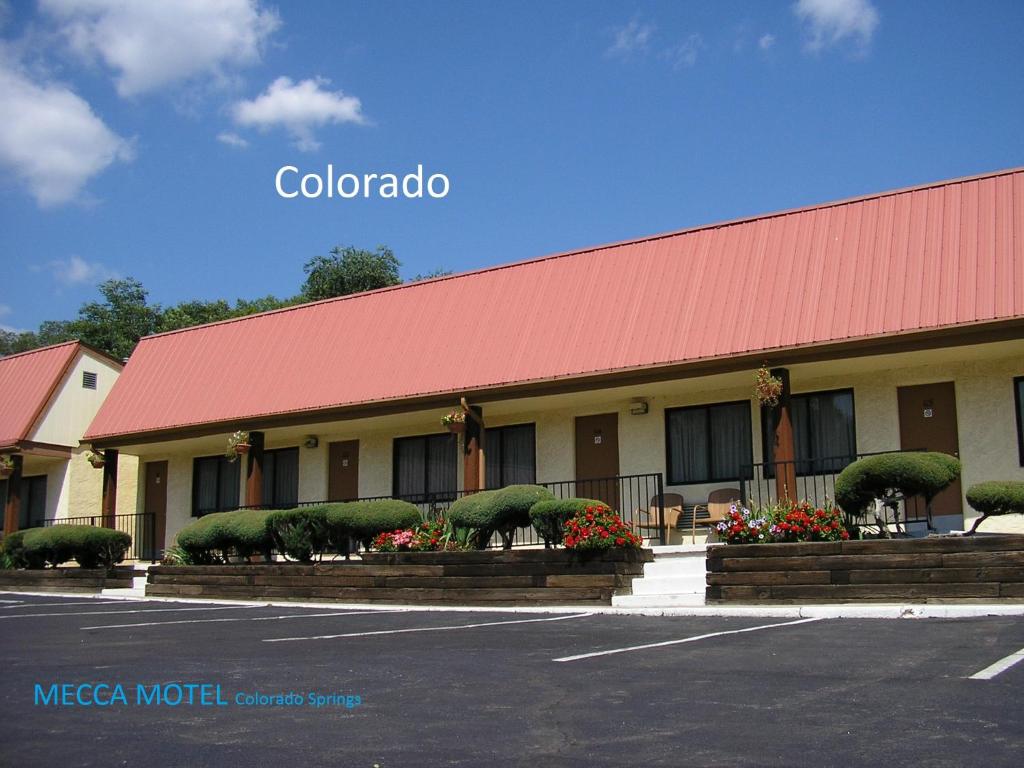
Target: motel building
x: 48, y: 397
x: 623, y: 372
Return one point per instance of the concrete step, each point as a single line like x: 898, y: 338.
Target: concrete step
x: 127, y: 592
x: 672, y: 585
x: 657, y: 601
x: 675, y: 567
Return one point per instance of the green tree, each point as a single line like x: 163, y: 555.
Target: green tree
x: 349, y: 270
x: 189, y: 313
x: 116, y: 324
x: 439, y: 272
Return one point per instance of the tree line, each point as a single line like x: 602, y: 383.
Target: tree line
x: 124, y: 315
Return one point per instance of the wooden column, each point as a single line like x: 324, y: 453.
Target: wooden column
x: 12, y: 510
x: 783, y: 444
x: 109, y: 505
x: 475, y: 468
x: 254, y: 471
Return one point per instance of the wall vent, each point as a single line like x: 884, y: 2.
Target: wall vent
x: 88, y: 380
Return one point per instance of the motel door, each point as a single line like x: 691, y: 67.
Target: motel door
x: 928, y: 422
x: 343, y: 471
x: 597, y: 458
x: 156, y: 504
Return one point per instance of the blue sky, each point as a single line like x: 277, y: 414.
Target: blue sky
x: 144, y: 142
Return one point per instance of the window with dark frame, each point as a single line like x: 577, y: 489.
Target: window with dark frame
x: 511, y: 455
x: 426, y: 467
x: 824, y: 432
x: 1018, y: 394
x: 215, y: 482
x: 708, y: 443
x: 281, y: 478
x: 33, y: 502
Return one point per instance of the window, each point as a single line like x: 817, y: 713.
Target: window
x: 426, y: 466
x: 214, y: 485
x: 823, y: 432
x: 511, y: 456
x: 281, y: 478
x: 88, y: 380
x: 1018, y: 393
x: 33, y: 501
x: 708, y: 443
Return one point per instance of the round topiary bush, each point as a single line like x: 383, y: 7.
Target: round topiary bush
x: 204, y: 540
x: 549, y: 517
x: 89, y: 546
x: 300, y: 533
x: 365, y: 520
x: 995, y: 497
x: 500, y: 511
x: 887, y: 474
x: 218, y: 536
x: 12, y: 551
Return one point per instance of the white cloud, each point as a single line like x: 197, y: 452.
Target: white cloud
x: 831, y: 21
x: 51, y: 140
x: 299, y: 108
x: 154, y: 44
x: 766, y: 41
x: 684, y: 54
x: 232, y: 139
x: 630, y: 38
x: 5, y: 309
x: 77, y: 271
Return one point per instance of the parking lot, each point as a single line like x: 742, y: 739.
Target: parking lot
x: 496, y: 688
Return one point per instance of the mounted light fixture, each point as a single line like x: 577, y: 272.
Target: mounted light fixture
x: 311, y: 441
x: 638, y: 407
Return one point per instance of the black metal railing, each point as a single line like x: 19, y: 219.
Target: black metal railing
x: 815, y: 481
x: 639, y: 500
x: 141, y: 527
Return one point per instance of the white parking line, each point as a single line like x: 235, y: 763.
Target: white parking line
x: 12, y: 601
x: 83, y: 601
x: 1000, y: 666
x: 241, y: 618
x: 693, y: 639
x: 112, y: 613
x: 427, y: 629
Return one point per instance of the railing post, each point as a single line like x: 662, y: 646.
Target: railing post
x: 665, y: 538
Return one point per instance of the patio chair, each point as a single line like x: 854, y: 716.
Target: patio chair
x: 711, y: 514
x: 649, y: 519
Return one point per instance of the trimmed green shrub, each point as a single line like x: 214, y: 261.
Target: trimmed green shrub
x: 299, y: 533
x: 89, y: 546
x: 995, y: 497
x: 909, y: 474
x: 365, y: 520
x: 549, y: 517
x: 216, y: 537
x: 12, y: 551
x: 500, y: 511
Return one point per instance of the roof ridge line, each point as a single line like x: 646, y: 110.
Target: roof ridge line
x: 606, y: 246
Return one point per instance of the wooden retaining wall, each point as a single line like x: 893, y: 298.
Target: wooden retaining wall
x: 934, y: 569
x: 84, y: 580
x: 505, y: 577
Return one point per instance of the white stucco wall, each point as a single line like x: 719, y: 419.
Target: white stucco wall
x: 983, y: 378
x: 73, y: 407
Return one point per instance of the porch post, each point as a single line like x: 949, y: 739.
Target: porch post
x: 254, y: 471
x: 12, y: 510
x: 109, y: 505
x: 475, y: 469
x: 783, y: 445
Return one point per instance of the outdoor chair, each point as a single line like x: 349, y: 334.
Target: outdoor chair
x: 711, y: 514
x: 649, y: 519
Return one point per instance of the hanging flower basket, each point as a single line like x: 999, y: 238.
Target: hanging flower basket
x: 768, y: 388
x: 238, y: 444
x: 6, y: 466
x: 455, y: 421
x: 96, y: 459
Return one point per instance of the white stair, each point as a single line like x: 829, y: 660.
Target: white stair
x: 137, y: 589
x: 671, y: 580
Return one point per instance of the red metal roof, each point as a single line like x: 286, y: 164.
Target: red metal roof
x: 27, y: 382
x: 940, y: 255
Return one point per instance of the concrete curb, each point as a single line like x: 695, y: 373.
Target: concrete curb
x: 836, y: 611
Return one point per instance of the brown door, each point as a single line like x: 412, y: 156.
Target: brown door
x: 597, y: 458
x: 928, y: 422
x: 155, y: 504
x: 343, y: 471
